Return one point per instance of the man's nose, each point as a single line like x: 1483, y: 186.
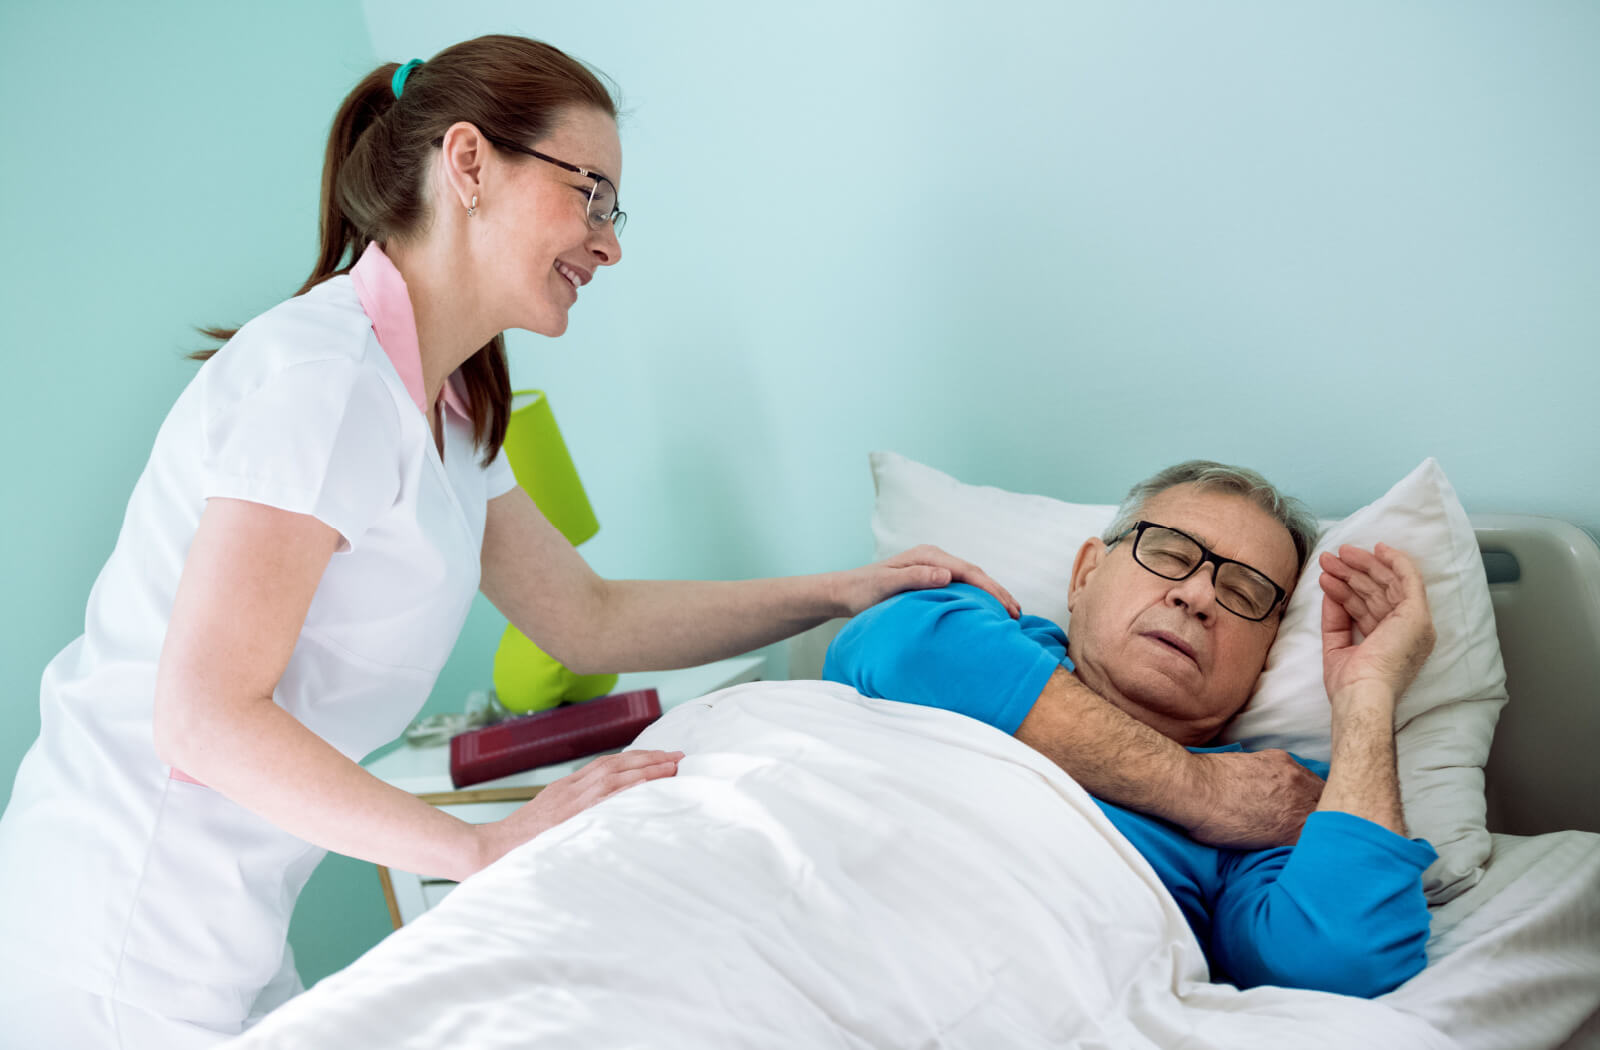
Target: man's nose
x: 1197, y: 592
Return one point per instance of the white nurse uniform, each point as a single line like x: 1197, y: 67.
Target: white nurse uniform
x: 150, y: 901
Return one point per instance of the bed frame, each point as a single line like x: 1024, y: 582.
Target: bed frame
x: 1543, y: 772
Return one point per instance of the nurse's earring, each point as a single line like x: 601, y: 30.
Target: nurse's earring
x: 472, y: 209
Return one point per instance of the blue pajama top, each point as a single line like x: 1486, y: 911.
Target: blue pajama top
x: 1341, y: 911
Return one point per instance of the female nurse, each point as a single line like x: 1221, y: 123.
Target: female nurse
x: 299, y: 555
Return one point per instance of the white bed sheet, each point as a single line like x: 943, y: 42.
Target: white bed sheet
x: 832, y: 871
x: 1514, y: 963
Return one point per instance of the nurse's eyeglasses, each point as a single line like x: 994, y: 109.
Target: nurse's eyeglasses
x: 602, y: 205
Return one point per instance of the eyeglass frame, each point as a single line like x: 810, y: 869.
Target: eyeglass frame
x: 1207, y: 556
x: 618, y: 218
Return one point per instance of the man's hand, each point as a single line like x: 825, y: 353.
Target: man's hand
x: 1381, y: 595
x: 1250, y: 800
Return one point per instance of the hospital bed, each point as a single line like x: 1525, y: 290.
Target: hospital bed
x: 1544, y: 577
x: 689, y: 913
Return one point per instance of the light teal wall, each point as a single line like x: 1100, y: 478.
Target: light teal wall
x: 162, y: 162
x: 1051, y: 246
x: 1059, y: 245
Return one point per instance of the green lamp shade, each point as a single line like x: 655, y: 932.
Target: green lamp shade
x: 526, y: 678
x: 544, y: 469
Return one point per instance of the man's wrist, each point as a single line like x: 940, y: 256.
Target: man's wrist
x: 1365, y: 696
x: 1194, y: 797
x: 1362, y: 777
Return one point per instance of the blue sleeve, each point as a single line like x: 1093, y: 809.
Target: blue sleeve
x: 1341, y: 911
x: 956, y: 648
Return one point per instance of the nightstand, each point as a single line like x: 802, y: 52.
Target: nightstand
x: 425, y: 772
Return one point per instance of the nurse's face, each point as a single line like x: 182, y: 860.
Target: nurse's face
x: 544, y: 245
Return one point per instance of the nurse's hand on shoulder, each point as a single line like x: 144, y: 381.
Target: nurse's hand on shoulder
x: 571, y: 795
x: 917, y: 569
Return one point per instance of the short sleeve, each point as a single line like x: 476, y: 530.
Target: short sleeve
x: 316, y: 437
x: 497, y: 476
x: 953, y: 647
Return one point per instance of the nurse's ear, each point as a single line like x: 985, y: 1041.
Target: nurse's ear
x: 464, y: 154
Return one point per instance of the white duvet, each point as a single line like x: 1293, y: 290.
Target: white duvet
x: 824, y: 871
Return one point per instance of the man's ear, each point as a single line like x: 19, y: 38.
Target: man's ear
x: 464, y: 153
x: 1083, y: 566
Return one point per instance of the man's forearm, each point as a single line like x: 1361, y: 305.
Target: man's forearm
x: 1235, y: 800
x: 1362, y: 776
x: 1113, y: 755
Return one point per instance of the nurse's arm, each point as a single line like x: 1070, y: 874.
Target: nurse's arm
x: 594, y: 625
x: 247, y: 583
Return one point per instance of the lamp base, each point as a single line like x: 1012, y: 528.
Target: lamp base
x: 526, y: 678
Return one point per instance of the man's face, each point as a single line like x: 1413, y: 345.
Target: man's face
x: 1163, y: 650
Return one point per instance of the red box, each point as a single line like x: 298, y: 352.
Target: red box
x: 557, y: 735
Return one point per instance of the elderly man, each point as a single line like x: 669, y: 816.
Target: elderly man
x: 1173, y: 612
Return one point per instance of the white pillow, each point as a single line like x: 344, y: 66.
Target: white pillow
x: 1445, y: 721
x: 1028, y: 543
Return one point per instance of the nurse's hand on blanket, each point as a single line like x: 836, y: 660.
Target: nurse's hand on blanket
x: 571, y: 795
x: 919, y: 568
x: 1379, y: 594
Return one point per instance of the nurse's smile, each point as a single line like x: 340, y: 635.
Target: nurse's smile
x: 574, y: 276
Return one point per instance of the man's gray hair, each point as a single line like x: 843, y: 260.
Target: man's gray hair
x: 1219, y: 477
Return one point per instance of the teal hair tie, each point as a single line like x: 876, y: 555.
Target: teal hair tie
x: 399, y: 81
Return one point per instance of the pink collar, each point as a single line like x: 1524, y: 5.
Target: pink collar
x: 386, y: 301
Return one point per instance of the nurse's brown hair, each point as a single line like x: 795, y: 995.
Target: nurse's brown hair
x: 374, y: 178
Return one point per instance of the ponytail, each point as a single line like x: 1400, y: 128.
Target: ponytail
x: 375, y: 171
x: 339, y: 243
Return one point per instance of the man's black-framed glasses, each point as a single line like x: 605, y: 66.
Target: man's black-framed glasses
x: 1174, y: 555
x: 602, y: 206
